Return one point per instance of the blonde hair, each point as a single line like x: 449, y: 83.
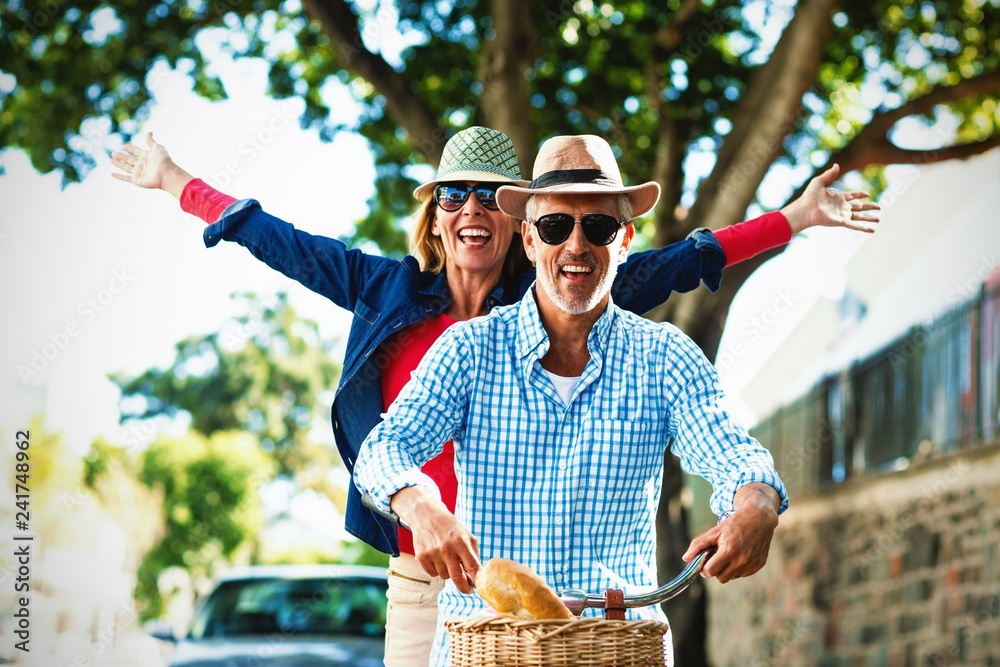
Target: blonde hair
x: 429, y: 249
x: 424, y: 245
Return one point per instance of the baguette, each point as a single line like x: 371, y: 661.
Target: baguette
x: 512, y: 588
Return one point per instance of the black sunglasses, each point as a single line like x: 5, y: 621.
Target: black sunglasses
x: 452, y: 196
x: 600, y: 229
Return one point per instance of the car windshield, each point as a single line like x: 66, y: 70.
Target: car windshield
x: 265, y: 606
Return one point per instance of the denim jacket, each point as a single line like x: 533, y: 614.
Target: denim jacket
x: 386, y: 295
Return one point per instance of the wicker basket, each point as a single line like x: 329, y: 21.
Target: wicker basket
x: 503, y: 641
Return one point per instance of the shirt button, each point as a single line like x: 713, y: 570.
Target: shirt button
x: 559, y: 521
x: 562, y: 465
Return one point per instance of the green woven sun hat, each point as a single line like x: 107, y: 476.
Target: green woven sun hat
x: 475, y: 154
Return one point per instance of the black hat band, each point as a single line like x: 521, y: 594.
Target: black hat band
x: 560, y: 176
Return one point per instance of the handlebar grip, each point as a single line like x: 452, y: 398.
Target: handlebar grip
x: 369, y: 502
x: 577, y: 600
x: 673, y: 587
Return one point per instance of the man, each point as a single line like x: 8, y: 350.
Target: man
x: 560, y: 409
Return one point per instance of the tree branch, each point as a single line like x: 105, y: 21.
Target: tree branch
x: 884, y: 152
x: 864, y: 150
x: 340, y: 24
x: 977, y: 85
x: 872, y: 144
x: 670, y: 35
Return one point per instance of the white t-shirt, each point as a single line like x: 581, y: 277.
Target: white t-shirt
x: 564, y: 386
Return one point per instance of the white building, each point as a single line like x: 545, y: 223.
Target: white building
x: 938, y: 241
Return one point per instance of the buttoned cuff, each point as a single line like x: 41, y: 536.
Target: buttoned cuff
x: 712, y: 254
x: 722, y: 498
x: 384, y: 492
x: 232, y: 218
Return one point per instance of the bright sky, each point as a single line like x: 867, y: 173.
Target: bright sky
x: 104, y: 277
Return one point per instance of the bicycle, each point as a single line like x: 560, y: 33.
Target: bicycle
x: 504, y: 641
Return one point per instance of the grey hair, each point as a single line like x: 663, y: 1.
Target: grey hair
x: 624, y: 207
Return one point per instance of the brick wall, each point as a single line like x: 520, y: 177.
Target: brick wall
x: 894, y: 569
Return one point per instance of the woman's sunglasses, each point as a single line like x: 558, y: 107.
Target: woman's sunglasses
x: 452, y: 196
x: 600, y: 229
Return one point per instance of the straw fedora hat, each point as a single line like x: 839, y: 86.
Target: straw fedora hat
x: 581, y: 164
x: 475, y: 154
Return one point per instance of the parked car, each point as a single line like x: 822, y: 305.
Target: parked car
x: 288, y: 615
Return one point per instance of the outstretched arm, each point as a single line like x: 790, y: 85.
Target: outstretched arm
x: 819, y: 206
x: 324, y: 265
x: 647, y: 279
x: 155, y: 169
x: 152, y: 169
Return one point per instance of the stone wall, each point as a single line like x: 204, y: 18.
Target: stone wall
x: 894, y: 569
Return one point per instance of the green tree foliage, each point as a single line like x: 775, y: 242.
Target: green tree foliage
x: 628, y: 70
x: 267, y: 373
x: 704, y: 98
x: 211, y: 502
x: 257, y: 396
x: 111, y: 475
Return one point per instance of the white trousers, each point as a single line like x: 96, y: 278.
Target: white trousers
x: 411, y: 618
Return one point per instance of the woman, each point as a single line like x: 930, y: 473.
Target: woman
x: 461, y: 242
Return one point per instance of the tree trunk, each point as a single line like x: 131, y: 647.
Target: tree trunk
x: 686, y: 612
x: 505, y: 59
x: 667, y: 172
x: 769, y: 108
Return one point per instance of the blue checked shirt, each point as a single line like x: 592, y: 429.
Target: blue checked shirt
x: 570, y: 491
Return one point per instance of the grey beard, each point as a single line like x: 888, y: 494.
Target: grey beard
x: 578, y: 308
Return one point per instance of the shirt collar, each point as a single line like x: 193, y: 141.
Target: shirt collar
x: 533, y: 339
x: 437, y: 288
x: 436, y: 285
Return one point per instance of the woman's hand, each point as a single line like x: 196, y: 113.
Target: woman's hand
x: 820, y: 206
x: 152, y: 168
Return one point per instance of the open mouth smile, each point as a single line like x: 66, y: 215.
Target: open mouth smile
x: 575, y: 272
x: 474, y: 236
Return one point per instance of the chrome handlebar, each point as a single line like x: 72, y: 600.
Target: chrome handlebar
x: 575, y: 599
